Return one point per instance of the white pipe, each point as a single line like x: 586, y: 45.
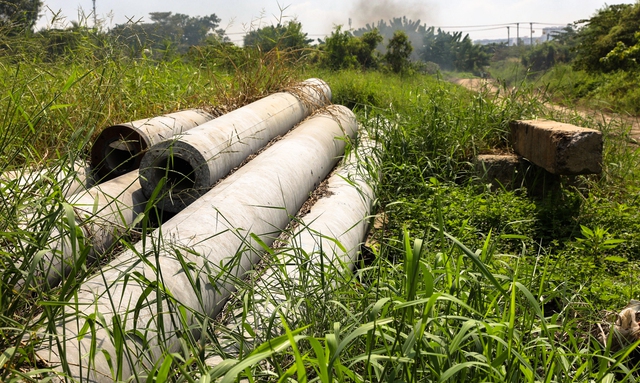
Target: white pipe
x: 73, y: 179
x: 117, y: 150
x: 312, y: 251
x: 194, y: 161
x: 105, y: 212
x: 213, y: 239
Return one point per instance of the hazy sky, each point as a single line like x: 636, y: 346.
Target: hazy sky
x: 319, y: 16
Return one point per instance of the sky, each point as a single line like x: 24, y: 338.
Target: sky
x: 482, y: 19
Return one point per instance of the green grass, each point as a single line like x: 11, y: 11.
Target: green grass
x: 461, y: 282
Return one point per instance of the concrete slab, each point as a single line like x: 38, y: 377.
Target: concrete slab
x: 559, y: 148
x: 510, y: 171
x: 501, y: 170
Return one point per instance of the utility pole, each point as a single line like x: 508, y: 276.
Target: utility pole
x: 530, y: 35
x: 517, y: 34
x: 95, y: 17
x: 508, y: 37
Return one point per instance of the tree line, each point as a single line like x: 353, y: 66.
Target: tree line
x: 394, y: 44
x: 606, y: 42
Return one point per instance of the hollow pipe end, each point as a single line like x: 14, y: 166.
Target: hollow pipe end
x: 180, y: 169
x: 117, y: 151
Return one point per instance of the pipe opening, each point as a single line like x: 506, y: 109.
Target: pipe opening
x: 120, y: 155
x: 179, y: 173
x: 117, y: 151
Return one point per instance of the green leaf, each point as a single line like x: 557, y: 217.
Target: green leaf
x: 616, y: 259
x: 70, y: 81
x: 588, y: 233
x: 362, y: 330
x: 262, y: 352
x: 59, y: 106
x: 474, y: 258
x: 457, y: 368
x: 321, y: 357
x: 611, y: 243
x: 163, y: 372
x: 6, y: 355
x: 532, y: 301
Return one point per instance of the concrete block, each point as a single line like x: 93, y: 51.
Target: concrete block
x: 501, y: 170
x: 511, y: 171
x: 562, y: 149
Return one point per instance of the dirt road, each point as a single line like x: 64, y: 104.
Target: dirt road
x: 478, y: 85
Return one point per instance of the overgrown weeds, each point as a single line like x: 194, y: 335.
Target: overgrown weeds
x: 465, y: 282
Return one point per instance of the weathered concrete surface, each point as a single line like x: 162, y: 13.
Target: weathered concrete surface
x: 510, y: 172
x: 501, y: 170
x: 559, y: 148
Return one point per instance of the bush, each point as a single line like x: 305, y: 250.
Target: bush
x: 398, y: 51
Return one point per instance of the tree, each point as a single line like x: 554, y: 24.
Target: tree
x: 365, y: 48
x: 604, y: 39
x: 338, y: 50
x: 196, y: 29
x: 470, y: 57
x: 546, y: 55
x: 398, y: 51
x: 440, y: 48
x: 287, y: 37
x: 169, y: 31
x: 19, y: 15
x: 413, y: 29
x: 342, y: 50
x: 451, y: 51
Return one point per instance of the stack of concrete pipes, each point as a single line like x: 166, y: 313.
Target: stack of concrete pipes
x: 194, y: 260
x: 108, y: 210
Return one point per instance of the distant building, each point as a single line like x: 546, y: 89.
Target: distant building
x: 549, y: 32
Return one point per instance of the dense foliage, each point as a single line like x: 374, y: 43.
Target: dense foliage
x: 453, y: 52
x: 561, y: 49
x: 606, y: 41
x: 19, y: 15
x: 450, y: 51
x: 342, y: 50
x: 414, y: 31
x: 169, y: 32
x: 288, y: 36
x: 398, y: 51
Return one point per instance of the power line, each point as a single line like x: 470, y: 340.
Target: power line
x: 494, y: 25
x: 480, y: 28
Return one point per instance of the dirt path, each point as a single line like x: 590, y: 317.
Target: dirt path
x: 478, y: 85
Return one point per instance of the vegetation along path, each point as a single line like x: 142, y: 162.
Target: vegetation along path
x: 481, y: 85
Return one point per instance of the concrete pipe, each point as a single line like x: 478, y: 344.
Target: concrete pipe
x: 186, y: 269
x: 118, y: 148
x: 104, y: 213
x: 108, y: 210
x: 324, y: 241
x: 71, y: 178
x: 194, y: 161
